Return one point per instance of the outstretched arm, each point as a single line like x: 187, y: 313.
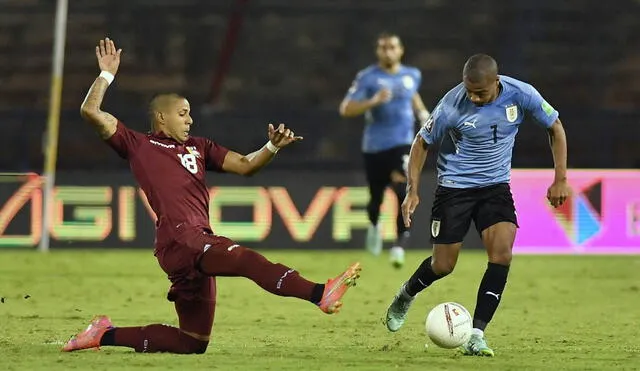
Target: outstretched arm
x: 250, y: 164
x: 108, y: 60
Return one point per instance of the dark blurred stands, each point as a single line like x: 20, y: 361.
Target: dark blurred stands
x: 294, y: 61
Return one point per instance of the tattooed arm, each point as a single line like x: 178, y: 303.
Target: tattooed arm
x: 108, y: 61
x: 105, y: 124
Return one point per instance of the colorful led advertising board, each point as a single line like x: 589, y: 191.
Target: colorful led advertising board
x: 320, y: 211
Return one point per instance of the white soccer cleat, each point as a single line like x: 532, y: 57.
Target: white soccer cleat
x: 374, y: 240
x: 396, y: 256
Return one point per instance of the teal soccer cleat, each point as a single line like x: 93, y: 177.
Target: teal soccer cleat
x: 477, y: 346
x: 397, y: 311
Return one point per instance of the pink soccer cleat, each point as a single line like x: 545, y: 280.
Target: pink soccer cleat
x: 89, y: 338
x: 335, y: 288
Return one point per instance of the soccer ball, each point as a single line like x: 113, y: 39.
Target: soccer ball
x: 449, y: 325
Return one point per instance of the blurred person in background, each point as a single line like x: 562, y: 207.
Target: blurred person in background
x: 387, y: 94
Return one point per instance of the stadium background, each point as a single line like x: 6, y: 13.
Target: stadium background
x: 246, y: 63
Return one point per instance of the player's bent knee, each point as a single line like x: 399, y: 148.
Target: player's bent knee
x: 194, y: 345
x: 442, y: 270
x: 201, y: 348
x: 442, y: 267
x: 502, y: 256
x: 444, y: 258
x: 197, y: 347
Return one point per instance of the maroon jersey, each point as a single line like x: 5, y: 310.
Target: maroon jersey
x: 172, y: 175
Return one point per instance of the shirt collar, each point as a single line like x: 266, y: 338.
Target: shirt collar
x: 161, y: 135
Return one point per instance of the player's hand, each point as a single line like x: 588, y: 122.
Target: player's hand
x: 108, y: 56
x: 411, y: 201
x: 281, y: 136
x: 382, y: 96
x: 558, y: 192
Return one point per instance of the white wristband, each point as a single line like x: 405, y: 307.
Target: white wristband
x: 271, y: 147
x: 107, y: 76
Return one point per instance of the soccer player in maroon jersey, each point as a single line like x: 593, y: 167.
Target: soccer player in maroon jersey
x: 169, y: 166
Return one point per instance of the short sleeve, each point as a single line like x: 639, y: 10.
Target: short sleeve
x: 418, y: 77
x: 436, y: 126
x: 214, y: 155
x: 542, y: 112
x: 124, y: 141
x: 358, y: 89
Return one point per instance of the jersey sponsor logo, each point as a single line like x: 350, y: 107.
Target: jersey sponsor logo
x: 470, y: 123
x: 162, y: 144
x: 512, y: 113
x: 435, y: 228
x: 547, y: 108
x: 383, y: 82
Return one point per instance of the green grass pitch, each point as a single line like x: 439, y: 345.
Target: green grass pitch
x: 558, y: 312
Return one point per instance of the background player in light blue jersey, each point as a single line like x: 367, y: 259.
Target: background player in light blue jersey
x: 387, y: 94
x: 475, y: 124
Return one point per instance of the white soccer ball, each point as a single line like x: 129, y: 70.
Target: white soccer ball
x: 449, y: 325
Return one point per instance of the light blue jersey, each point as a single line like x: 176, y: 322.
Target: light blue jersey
x: 477, y: 141
x: 390, y: 124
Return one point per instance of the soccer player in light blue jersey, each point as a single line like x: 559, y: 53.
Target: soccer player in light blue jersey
x: 475, y: 125
x: 387, y: 94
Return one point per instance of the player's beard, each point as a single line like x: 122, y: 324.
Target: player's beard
x: 388, y: 64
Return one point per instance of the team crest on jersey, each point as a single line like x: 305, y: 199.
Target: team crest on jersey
x: 408, y: 83
x: 435, y: 228
x: 512, y: 113
x: 193, y: 151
